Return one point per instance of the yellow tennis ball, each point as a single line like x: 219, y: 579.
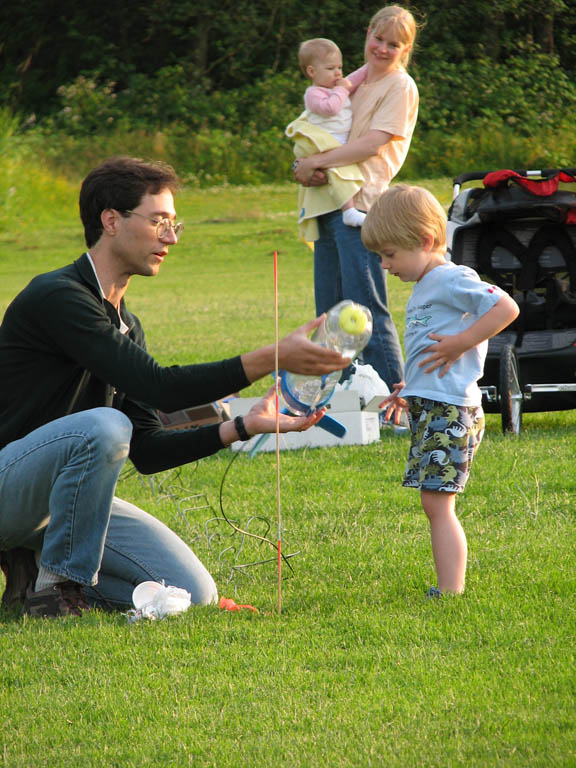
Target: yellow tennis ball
x: 353, y: 320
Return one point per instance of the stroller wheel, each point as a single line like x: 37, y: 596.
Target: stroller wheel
x: 510, y: 391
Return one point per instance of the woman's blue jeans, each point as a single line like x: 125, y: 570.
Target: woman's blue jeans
x: 344, y: 269
x: 57, y: 497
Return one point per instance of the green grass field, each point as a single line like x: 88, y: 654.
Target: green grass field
x: 359, y: 669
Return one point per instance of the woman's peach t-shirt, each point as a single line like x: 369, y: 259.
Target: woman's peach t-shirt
x: 391, y: 105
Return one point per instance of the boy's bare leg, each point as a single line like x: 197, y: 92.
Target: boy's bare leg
x: 449, y: 545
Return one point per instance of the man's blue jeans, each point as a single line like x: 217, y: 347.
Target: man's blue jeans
x: 344, y: 269
x: 57, y: 497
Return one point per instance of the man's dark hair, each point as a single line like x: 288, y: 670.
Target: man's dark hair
x: 120, y: 183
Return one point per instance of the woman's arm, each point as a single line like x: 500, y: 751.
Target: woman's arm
x: 354, y: 152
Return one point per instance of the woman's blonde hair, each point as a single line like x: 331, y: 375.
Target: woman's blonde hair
x: 401, y: 22
x: 403, y: 216
x: 313, y: 50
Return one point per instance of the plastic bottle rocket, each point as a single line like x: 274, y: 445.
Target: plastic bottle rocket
x: 347, y: 328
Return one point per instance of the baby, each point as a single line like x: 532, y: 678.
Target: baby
x: 327, y: 100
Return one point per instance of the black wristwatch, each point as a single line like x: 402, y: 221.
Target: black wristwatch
x: 241, y: 429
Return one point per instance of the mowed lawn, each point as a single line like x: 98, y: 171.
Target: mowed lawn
x: 358, y: 669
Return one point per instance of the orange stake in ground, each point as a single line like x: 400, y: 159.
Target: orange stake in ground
x: 227, y: 604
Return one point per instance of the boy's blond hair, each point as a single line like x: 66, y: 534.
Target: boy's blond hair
x: 400, y: 21
x: 314, y: 50
x: 402, y: 216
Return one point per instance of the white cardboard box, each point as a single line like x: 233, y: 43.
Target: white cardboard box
x: 362, y: 424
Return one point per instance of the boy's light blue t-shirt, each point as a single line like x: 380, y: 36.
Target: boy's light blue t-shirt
x: 447, y: 300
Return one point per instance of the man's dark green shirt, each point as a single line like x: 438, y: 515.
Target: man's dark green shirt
x: 61, y: 351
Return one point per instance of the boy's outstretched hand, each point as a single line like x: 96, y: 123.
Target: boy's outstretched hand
x: 394, y: 404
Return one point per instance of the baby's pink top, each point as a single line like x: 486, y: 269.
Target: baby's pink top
x: 329, y: 101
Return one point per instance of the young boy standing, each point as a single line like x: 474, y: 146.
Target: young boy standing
x: 450, y: 316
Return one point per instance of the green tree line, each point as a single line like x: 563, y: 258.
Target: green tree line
x: 224, y: 68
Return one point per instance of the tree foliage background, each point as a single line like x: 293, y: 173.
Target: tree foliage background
x: 229, y: 66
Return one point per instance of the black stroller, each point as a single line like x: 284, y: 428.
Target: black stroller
x: 518, y: 230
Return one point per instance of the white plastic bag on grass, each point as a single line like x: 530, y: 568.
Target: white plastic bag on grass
x: 153, y: 600
x: 366, y: 381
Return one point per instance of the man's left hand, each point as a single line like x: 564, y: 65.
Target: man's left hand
x: 261, y: 418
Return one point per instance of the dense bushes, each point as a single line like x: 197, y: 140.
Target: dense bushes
x: 219, y: 46
x: 528, y: 92
x: 91, y: 104
x: 472, y: 115
x: 212, y: 85
x: 211, y: 157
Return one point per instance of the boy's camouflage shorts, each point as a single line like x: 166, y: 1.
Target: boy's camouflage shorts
x: 444, y: 440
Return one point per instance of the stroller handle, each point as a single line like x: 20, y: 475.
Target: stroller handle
x: 479, y: 175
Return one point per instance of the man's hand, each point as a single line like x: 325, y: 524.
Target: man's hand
x: 261, y: 419
x: 297, y: 354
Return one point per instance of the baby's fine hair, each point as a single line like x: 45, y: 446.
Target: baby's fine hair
x: 400, y: 21
x: 314, y: 50
x: 402, y: 216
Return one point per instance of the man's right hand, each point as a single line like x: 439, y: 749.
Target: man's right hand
x: 297, y: 354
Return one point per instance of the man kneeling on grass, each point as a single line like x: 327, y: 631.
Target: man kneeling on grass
x: 79, y: 394
x: 449, y: 318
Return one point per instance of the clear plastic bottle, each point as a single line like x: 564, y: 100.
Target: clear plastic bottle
x: 347, y: 328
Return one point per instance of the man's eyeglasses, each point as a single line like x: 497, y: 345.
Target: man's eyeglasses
x: 163, y: 226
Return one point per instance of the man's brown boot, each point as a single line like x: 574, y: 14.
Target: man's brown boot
x: 19, y: 568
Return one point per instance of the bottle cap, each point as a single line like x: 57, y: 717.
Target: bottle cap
x: 353, y: 320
